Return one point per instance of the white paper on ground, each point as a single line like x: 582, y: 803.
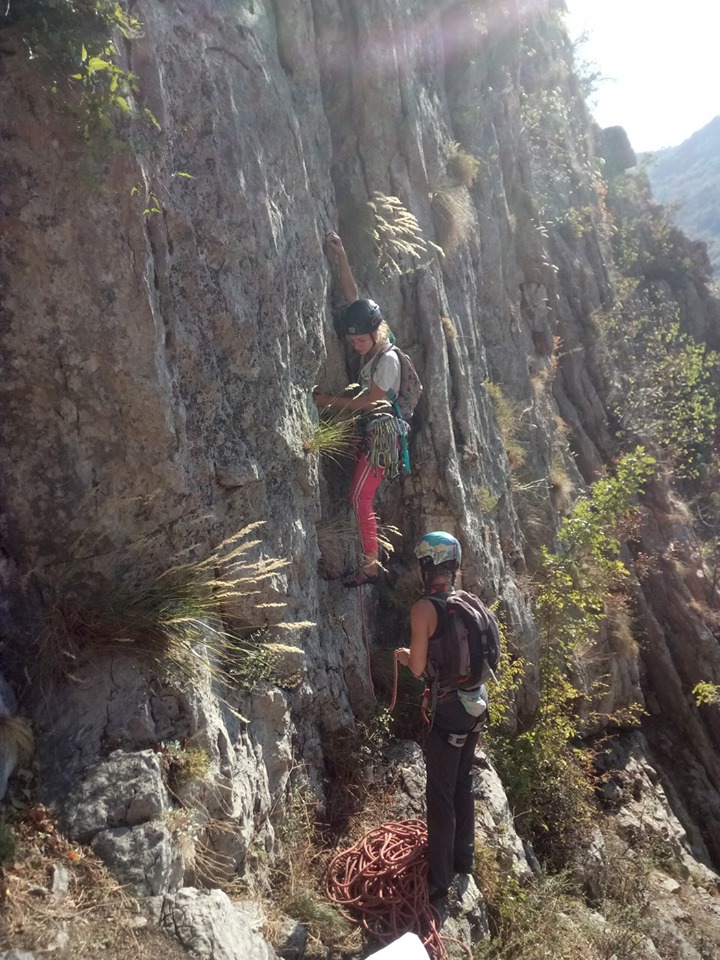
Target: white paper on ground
x: 408, y: 947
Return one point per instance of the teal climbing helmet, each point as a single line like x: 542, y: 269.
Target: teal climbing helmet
x: 438, y: 547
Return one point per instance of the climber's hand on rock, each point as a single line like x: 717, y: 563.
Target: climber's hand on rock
x: 321, y: 398
x: 402, y: 655
x: 333, y: 244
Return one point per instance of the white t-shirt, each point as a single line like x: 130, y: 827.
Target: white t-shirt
x: 387, y: 373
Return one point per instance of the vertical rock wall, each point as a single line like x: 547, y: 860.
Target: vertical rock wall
x: 159, y: 366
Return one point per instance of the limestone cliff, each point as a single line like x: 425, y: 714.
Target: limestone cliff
x: 167, y: 310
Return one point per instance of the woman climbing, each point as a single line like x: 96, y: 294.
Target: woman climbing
x: 380, y: 379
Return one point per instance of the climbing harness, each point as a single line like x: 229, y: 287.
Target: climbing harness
x: 383, y: 880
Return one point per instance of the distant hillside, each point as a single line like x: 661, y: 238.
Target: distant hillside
x: 689, y: 175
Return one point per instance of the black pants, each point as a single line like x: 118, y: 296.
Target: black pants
x: 450, y: 803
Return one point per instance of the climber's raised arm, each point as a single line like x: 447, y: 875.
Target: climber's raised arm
x: 334, y: 246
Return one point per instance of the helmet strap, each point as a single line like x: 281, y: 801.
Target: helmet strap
x: 375, y: 350
x: 445, y: 583
x: 446, y: 587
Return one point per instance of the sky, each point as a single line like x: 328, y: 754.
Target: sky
x: 660, y: 63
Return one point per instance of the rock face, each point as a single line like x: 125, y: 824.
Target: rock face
x: 157, y: 394
x: 210, y: 926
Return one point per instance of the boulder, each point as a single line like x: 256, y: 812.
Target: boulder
x: 210, y: 926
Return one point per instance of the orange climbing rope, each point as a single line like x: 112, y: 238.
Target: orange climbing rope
x: 382, y: 879
x: 395, y: 682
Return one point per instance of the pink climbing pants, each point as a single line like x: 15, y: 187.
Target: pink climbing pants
x: 362, y: 493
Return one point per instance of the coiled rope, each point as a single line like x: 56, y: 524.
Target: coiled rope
x: 383, y: 880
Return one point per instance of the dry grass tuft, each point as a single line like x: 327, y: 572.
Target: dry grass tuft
x: 562, y: 489
x: 540, y: 381
x: 218, y: 847
x: 298, y: 882
x: 619, y: 626
x: 95, y: 917
x: 508, y: 414
x: 340, y: 544
x: 398, y: 237
x: 462, y: 167
x: 176, y: 622
x: 486, y: 870
x: 562, y: 426
x: 530, y: 500
x: 454, y: 215
x: 16, y: 738
x: 332, y: 436
x: 448, y: 325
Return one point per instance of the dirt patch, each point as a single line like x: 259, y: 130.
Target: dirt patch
x: 58, y: 897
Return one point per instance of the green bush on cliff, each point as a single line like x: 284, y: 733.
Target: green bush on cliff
x: 547, y: 778
x: 668, y: 392
x: 72, y: 41
x: 646, y: 244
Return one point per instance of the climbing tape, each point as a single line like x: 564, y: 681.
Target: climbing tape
x: 383, y: 881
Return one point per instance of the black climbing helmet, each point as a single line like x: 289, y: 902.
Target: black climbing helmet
x: 361, y: 317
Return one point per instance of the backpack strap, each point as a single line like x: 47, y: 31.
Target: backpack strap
x: 378, y: 357
x: 490, y: 631
x: 440, y: 604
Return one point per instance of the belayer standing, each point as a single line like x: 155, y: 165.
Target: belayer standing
x: 389, y: 392
x: 455, y: 645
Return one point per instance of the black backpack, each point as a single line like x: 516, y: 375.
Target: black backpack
x: 466, y: 649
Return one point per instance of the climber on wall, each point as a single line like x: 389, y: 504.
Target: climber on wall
x: 459, y: 706
x: 383, y: 428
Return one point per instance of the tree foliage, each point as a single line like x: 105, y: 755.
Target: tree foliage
x: 77, y: 45
x: 667, y: 381
x: 546, y: 776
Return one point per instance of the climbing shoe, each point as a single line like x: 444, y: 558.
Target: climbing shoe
x: 439, y: 904
x: 359, y: 578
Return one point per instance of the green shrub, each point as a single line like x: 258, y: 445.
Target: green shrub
x: 184, y: 765
x: 529, y: 923
x: 706, y: 694
x: 668, y: 393
x: 547, y: 778
x: 72, y: 42
x: 485, y: 500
